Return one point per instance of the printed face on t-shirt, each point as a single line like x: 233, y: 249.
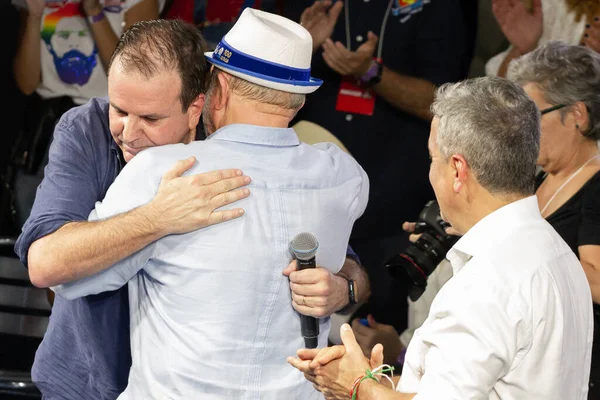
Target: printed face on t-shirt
x: 73, y: 53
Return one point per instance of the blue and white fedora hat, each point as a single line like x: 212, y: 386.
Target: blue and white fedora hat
x: 268, y: 50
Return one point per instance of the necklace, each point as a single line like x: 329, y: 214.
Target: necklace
x: 567, y: 181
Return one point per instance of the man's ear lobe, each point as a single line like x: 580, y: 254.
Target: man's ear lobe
x: 220, y: 92
x: 195, y: 110
x: 460, y: 171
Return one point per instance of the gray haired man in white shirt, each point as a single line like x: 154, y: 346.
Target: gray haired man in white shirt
x: 515, y: 320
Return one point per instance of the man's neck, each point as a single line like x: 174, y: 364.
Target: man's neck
x: 483, y: 205
x: 241, y: 111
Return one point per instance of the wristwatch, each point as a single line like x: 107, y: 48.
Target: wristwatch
x: 351, y: 292
x: 373, y: 75
x: 352, y: 297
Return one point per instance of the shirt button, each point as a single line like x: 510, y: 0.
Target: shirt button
x: 348, y: 117
x: 359, y: 38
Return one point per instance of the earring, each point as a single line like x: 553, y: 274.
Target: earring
x: 577, y: 126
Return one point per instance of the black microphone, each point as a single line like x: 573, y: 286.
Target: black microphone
x: 304, y: 246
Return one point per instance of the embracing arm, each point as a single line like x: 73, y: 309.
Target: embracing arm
x: 80, y: 249
x: 118, y: 200
x: 182, y: 204
x: 57, y: 242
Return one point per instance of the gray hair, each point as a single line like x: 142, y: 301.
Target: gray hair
x: 260, y: 94
x: 565, y: 74
x: 495, y: 126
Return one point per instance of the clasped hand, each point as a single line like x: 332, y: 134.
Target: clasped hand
x: 320, y: 20
x: 333, y: 370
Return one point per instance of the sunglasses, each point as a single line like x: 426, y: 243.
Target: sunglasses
x: 553, y: 108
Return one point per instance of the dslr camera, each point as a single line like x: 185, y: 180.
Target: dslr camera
x: 419, y: 259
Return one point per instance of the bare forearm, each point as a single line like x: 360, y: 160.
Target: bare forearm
x: 512, y: 54
x: 105, y: 39
x: 27, y: 68
x: 104, y: 36
x: 593, y: 276
x: 143, y: 11
x: 80, y: 249
x: 412, y: 95
x: 369, y: 389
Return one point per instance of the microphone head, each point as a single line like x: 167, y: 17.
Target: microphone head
x: 304, y: 246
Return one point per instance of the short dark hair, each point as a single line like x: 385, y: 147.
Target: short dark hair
x: 166, y: 44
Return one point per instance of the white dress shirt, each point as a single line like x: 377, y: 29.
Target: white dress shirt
x: 211, y: 313
x: 515, y: 320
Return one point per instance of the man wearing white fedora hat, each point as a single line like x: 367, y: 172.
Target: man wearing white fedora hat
x: 211, y: 313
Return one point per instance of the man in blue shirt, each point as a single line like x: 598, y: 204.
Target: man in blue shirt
x: 85, y: 353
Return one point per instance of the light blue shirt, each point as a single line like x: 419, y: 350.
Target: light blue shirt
x: 211, y: 313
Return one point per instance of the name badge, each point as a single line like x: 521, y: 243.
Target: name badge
x: 355, y: 99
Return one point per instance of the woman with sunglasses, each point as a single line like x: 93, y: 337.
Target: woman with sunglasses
x: 564, y: 81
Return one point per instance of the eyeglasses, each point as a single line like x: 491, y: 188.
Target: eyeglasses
x: 553, y: 108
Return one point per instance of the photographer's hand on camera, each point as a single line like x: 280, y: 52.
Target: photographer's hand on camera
x: 431, y: 238
x: 410, y: 228
x: 368, y: 336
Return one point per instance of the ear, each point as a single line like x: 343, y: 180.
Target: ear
x: 581, y: 117
x: 195, y: 111
x: 221, y: 92
x: 460, y: 171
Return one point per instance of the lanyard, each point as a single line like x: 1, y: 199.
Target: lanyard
x: 381, y: 33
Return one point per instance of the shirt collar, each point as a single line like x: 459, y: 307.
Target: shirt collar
x: 259, y: 135
x: 492, y: 229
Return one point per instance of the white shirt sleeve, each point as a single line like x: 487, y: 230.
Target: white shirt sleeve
x: 132, y: 188
x: 467, y: 344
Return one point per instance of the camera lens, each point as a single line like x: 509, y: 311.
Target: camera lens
x: 420, y: 259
